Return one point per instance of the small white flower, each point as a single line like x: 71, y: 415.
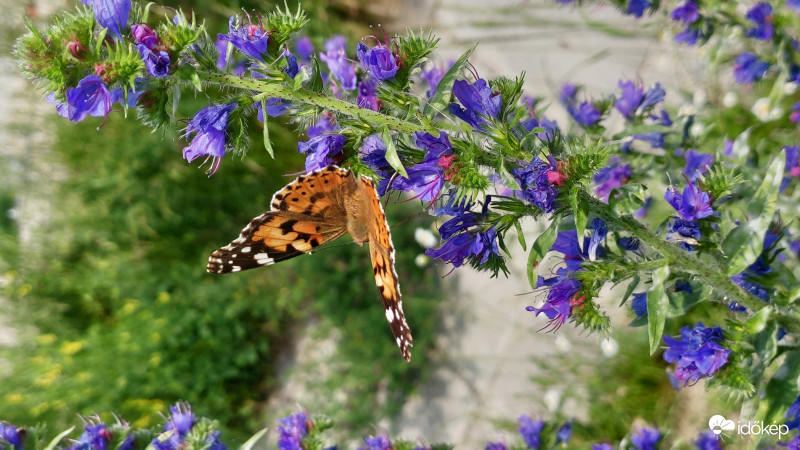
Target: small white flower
x: 776, y: 113
x: 761, y: 109
x: 421, y: 260
x: 551, y: 399
x: 730, y: 99
x: 425, y: 238
x: 700, y: 98
x: 697, y: 129
x: 609, y: 347
x: 790, y: 88
x: 563, y: 344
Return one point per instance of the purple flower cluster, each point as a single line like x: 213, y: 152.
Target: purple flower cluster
x: 585, y: 113
x: 210, y: 125
x: 634, y: 101
x: 155, y: 57
x: 550, y: 127
x: 609, y: 178
x: 291, y: 430
x: 323, y: 147
x: 10, y: 435
x: 697, y: 355
x: 693, y: 204
x: 530, y: 430
x: 251, y: 40
x: 368, y: 94
x: 377, y: 443
x: 425, y: 180
x: 466, y: 237
x: 689, y: 14
x: 478, y: 103
x: 111, y: 14
x: 538, y: 181
x: 792, y: 168
x: 563, y: 295
x: 176, y: 430
x: 646, y: 438
x: 760, y: 16
x: 636, y: 7
x: 654, y: 138
x: 707, y: 441
x: 749, y: 68
x: 336, y: 57
x: 432, y: 75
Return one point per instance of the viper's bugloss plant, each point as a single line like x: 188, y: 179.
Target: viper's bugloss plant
x: 682, y: 206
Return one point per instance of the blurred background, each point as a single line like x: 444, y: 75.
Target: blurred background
x: 105, y: 304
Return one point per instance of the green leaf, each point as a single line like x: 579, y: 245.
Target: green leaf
x: 250, y: 444
x: 681, y: 301
x: 580, y: 211
x: 540, y: 248
x: 267, y: 142
x: 744, y: 243
x: 52, y: 444
x: 657, y: 303
x: 781, y: 390
x: 315, y: 82
x: 629, y: 290
x: 505, y: 176
x: 758, y: 321
x: 520, y: 235
x: 627, y: 199
x: 391, y: 152
x: 444, y: 89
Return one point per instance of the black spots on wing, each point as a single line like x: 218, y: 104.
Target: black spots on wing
x: 303, y: 193
x: 294, y: 199
x: 288, y: 226
x: 311, y: 185
x: 315, y: 241
x: 314, y: 198
x: 278, y: 196
x: 326, y: 181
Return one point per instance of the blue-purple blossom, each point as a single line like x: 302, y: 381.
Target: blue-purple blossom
x: 550, y: 127
x: 636, y: 7
x: 685, y: 232
x: 249, y: 39
x: 535, y: 183
x: 91, y: 97
x: 749, y: 68
x: 707, y: 441
x: 275, y: 107
x: 291, y: 430
x: 373, y: 152
x: 377, y: 443
x: 792, y: 414
x: 425, y: 180
x: 530, y: 430
x: 603, y: 446
x: 639, y: 304
x: 645, y: 438
x: 567, y: 93
x: 609, y: 178
x: 686, y: 13
x: 585, y: 114
x: 94, y: 437
x: 761, y: 17
x: 794, y: 444
x: 564, y: 432
x: 380, y: 62
x: 749, y: 278
x: 210, y: 125
x: 304, y: 49
x: 495, y: 446
x: 321, y: 150
x: 10, y: 435
x: 432, y: 75
x: 181, y: 419
x: 143, y: 34
x: 156, y: 61
x: 478, y: 101
x: 692, y: 204
x: 368, y: 94
x: 213, y: 442
x: 792, y: 168
x: 697, y: 355
x: 464, y: 237
x: 111, y: 14
x: 336, y: 57
x: 628, y: 243
x: 689, y: 36
x: 654, y: 138
x: 696, y: 164
x: 323, y: 125
x: 634, y: 100
x: 794, y: 4
x: 435, y: 147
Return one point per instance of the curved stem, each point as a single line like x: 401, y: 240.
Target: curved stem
x: 267, y: 89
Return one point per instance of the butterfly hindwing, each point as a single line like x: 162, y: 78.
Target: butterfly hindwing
x: 273, y: 237
x: 381, y: 252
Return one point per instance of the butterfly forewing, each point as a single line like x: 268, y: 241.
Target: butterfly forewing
x: 318, y: 193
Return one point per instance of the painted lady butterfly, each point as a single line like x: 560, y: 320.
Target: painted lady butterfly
x: 311, y: 211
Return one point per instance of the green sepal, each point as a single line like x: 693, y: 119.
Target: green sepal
x: 391, y: 152
x: 444, y: 89
x: 745, y: 243
x: 657, y: 303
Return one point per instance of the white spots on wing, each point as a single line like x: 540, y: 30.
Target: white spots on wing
x: 246, y: 249
x: 239, y: 240
x: 390, y: 315
x: 399, y: 341
x: 230, y: 261
x: 235, y: 269
x: 263, y: 259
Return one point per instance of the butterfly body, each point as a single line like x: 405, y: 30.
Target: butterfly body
x: 313, y: 210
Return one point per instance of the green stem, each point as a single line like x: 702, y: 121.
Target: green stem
x: 709, y: 275
x: 267, y: 89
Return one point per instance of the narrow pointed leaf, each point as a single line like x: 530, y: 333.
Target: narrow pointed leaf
x: 657, y: 303
x: 580, y: 212
x: 540, y: 247
x: 391, y: 152
x: 267, y: 141
x: 250, y: 444
x: 56, y: 440
x: 444, y: 89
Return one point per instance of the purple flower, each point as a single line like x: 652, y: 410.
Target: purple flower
x: 433, y: 75
x: 685, y: 232
x: 686, y: 13
x: 373, y: 152
x: 275, y: 107
x: 210, y: 125
x: 213, y: 442
x: 697, y: 164
x: 535, y: 183
x: 478, y: 101
x: 94, y: 437
x: 689, y: 36
x: 304, y: 49
x: 628, y: 243
x: 761, y: 16
x: 291, y: 431
x: 794, y: 444
x: 550, y: 127
x: 336, y: 58
x: 794, y: 116
x: 454, y: 251
x: 425, y: 180
x: 585, y: 114
x: 495, y: 446
x: 639, y: 304
x: 636, y: 7
x: 377, y: 443
x: 156, y: 61
x: 707, y: 441
x: 749, y: 68
x: 564, y: 432
x: 10, y: 435
x: 143, y: 34
x: 567, y: 93
x: 181, y: 419
x: 794, y: 4
x: 90, y: 97
x: 465, y: 238
x: 611, y: 177
x: 793, y: 414
x: 748, y: 278
x: 380, y: 62
x: 635, y: 101
x: 321, y: 149
x: 367, y: 94
x: 249, y: 39
x: 324, y: 125
x: 530, y: 430
x: 111, y: 14
x: 603, y: 446
x: 792, y: 164
x: 645, y: 438
x: 697, y: 355
x: 654, y: 138
x: 435, y: 147
x: 693, y: 204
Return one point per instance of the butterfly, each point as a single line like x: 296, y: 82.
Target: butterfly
x: 311, y: 211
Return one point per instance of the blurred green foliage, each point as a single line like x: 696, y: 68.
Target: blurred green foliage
x: 128, y: 320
